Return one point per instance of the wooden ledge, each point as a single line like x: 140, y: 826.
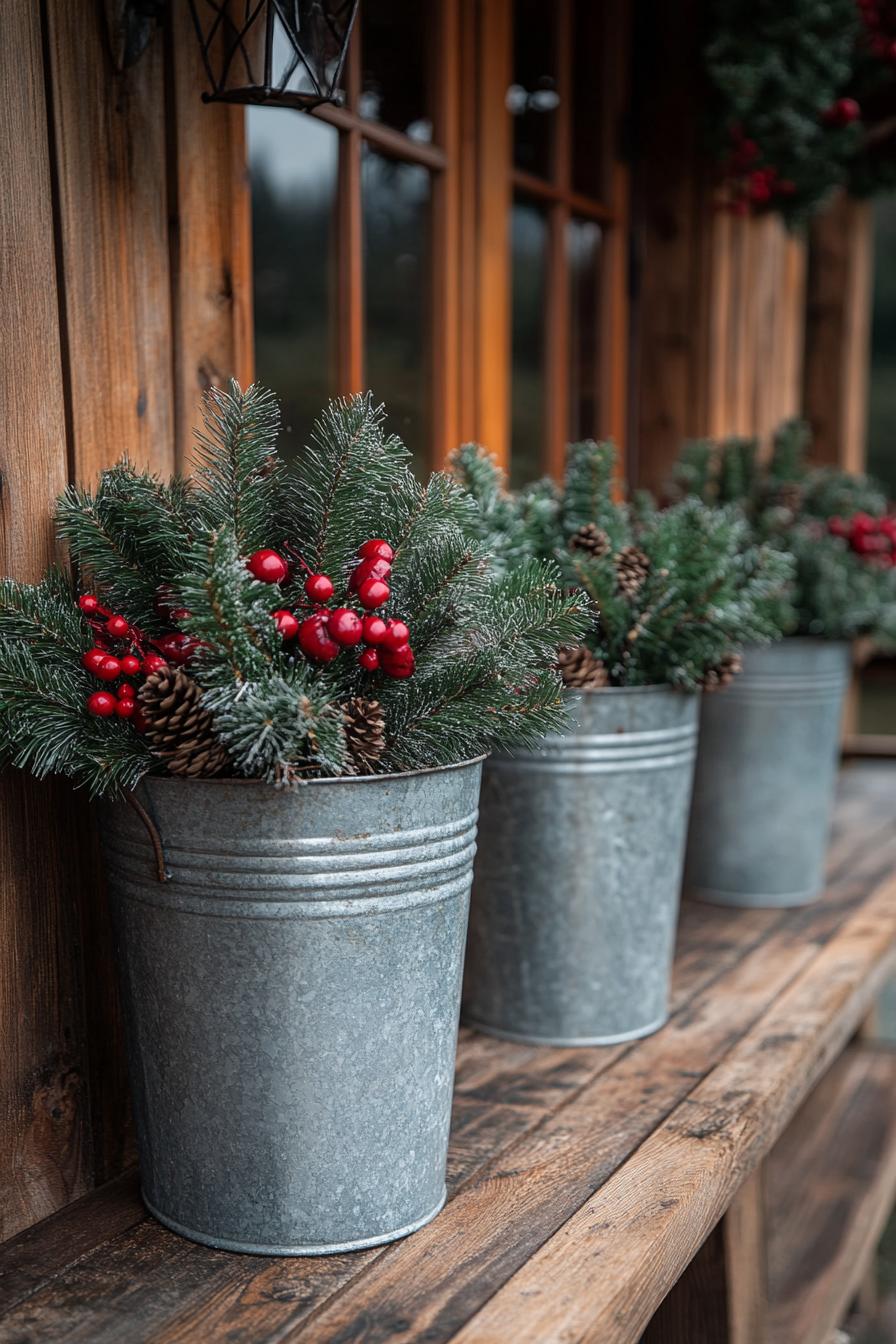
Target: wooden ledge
x: 583, y: 1181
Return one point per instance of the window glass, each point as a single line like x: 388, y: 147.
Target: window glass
x: 395, y: 42
x: 533, y: 98
x: 529, y: 235
x: 583, y: 253
x: 293, y: 168
x: 395, y: 201
x: 588, y: 134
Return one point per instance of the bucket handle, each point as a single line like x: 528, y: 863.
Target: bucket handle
x: 152, y: 830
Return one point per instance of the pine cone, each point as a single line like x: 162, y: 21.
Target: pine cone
x: 590, y: 539
x: 632, y: 568
x: 789, y: 495
x: 178, y: 728
x: 365, y: 733
x: 580, y: 669
x: 715, y: 678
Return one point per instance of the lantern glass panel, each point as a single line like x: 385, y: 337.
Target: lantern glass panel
x: 396, y: 41
x: 293, y: 161
x: 396, y: 209
x: 529, y: 241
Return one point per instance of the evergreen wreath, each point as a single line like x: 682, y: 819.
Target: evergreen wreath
x: 834, y: 524
x: 281, y: 623
x: 802, y: 100
x: 678, y: 591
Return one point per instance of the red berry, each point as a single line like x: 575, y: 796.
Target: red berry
x: 176, y: 649
x: 837, y: 527
x: 126, y: 691
x: 153, y: 663
x: 88, y: 604
x: 398, y: 663
x: 267, y: 566
x: 345, y: 626
x: 861, y: 523
x: 286, y: 623
x: 315, y: 642
x: 369, y: 569
x: 101, y: 704
x: 125, y: 708
x: 376, y: 549
x: 374, y: 629
x: 180, y: 614
x: 369, y: 659
x: 117, y: 626
x: 842, y: 112
x: 397, y: 635
x: 319, y: 587
x: 108, y: 669
x: 373, y: 593
x: 130, y: 665
x: 93, y: 659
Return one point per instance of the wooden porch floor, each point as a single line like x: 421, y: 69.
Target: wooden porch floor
x: 583, y: 1182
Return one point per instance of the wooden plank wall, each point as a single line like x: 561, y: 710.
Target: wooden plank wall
x: 719, y: 309
x: 123, y: 289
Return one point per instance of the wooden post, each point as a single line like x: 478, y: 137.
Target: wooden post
x: 838, y: 330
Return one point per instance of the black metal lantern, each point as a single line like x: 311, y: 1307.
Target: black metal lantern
x: 288, y: 53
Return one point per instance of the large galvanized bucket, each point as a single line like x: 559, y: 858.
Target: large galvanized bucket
x: 292, y: 998
x: 577, y: 883
x: 766, y: 772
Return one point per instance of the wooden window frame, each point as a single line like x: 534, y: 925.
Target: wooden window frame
x: 472, y: 177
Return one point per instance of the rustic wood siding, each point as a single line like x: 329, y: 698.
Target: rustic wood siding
x: 719, y: 309
x: 124, y: 283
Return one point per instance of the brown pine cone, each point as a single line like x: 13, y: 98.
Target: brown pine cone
x: 365, y: 733
x: 591, y: 539
x: 179, y: 729
x: 715, y: 678
x: 632, y: 568
x: 580, y: 669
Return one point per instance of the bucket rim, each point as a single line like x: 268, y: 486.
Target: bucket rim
x: 218, y: 781
x: 653, y: 687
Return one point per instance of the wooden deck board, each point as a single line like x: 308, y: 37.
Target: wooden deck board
x: 582, y: 1181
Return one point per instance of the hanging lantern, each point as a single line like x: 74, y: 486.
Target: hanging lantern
x: 288, y: 53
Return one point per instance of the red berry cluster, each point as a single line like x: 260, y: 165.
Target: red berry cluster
x: 325, y: 632
x: 873, y: 538
x: 750, y: 184
x: 121, y: 650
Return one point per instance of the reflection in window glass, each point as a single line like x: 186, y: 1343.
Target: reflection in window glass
x: 583, y: 253
x: 529, y: 233
x: 292, y: 163
x: 532, y: 99
x: 589, y: 42
x: 395, y: 201
x: 395, y: 43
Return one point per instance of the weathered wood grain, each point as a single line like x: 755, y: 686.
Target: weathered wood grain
x: 612, y: 1262
x: 210, y: 236
x: 44, y: 1127
x: 110, y: 170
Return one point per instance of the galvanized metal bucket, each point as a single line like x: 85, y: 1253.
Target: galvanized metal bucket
x: 292, y: 998
x: 766, y: 774
x: 577, y: 882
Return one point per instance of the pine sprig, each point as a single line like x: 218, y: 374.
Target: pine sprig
x: 240, y: 469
